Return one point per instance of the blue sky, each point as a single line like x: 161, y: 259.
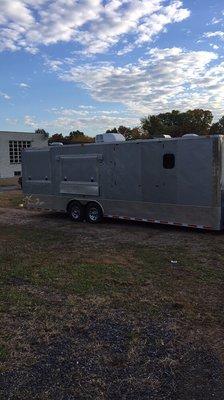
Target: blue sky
x: 95, y: 64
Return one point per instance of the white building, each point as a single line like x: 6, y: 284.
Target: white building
x: 11, y: 144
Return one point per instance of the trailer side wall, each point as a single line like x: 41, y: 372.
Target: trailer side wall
x: 132, y: 179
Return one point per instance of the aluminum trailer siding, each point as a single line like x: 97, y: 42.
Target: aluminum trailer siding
x: 169, y: 181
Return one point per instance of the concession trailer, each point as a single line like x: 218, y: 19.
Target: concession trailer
x: 176, y: 181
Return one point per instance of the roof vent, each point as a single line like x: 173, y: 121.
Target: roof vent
x: 109, y: 138
x: 190, y: 136
x: 56, y: 144
x: 166, y: 136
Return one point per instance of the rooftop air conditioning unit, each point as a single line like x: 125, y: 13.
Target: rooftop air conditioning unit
x: 190, y: 136
x: 109, y: 138
x: 56, y: 144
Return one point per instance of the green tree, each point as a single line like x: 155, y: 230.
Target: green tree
x: 152, y: 126
x: 177, y: 124
x: 123, y: 130
x: 114, y: 130
x: 130, y: 133
x: 172, y: 122
x: 76, y: 133
x: 127, y: 132
x: 57, y: 137
x: 79, y: 137
x: 197, y: 121
x: 42, y: 132
x: 218, y: 127
x: 74, y: 137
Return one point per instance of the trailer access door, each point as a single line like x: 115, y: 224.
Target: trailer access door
x: 79, y: 174
x: 159, y: 172
x: 37, y: 171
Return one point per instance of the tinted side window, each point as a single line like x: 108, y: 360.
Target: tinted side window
x: 168, y: 161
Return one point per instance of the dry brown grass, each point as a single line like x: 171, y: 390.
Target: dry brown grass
x: 9, y: 181
x: 11, y: 199
x: 109, y: 298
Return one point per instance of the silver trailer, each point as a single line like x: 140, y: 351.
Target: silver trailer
x: 167, y: 181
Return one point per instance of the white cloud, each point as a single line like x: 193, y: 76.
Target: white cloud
x: 158, y: 21
x: 218, y: 34
x: 67, y: 112
x: 15, y: 10
x: 12, y: 121
x: 89, y: 124
x: 5, y: 96
x: 126, y: 49
x: 24, y: 85
x: 54, y: 65
x: 166, y: 79
x: 86, y: 107
x: 30, y: 121
x: 85, y: 118
x: 216, y: 20
x: 94, y: 24
x: 214, y: 46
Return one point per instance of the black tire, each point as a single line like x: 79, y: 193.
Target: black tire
x: 76, y: 211
x: 94, y: 213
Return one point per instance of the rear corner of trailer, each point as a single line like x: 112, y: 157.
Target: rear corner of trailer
x: 220, y: 168
x: 216, y: 215
x: 201, y: 181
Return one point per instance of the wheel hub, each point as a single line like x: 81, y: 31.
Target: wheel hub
x: 75, y: 213
x: 93, y: 214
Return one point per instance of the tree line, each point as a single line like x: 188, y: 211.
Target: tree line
x: 174, y: 123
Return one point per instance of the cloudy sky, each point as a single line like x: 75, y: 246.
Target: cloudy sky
x: 96, y: 64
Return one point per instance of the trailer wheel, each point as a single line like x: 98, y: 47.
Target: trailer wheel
x: 76, y: 211
x: 94, y: 213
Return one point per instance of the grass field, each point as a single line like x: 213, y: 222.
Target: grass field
x: 9, y: 181
x: 11, y: 199
x: 101, y: 312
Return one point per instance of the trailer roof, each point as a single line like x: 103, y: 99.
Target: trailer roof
x: 192, y: 138
x: 211, y: 137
